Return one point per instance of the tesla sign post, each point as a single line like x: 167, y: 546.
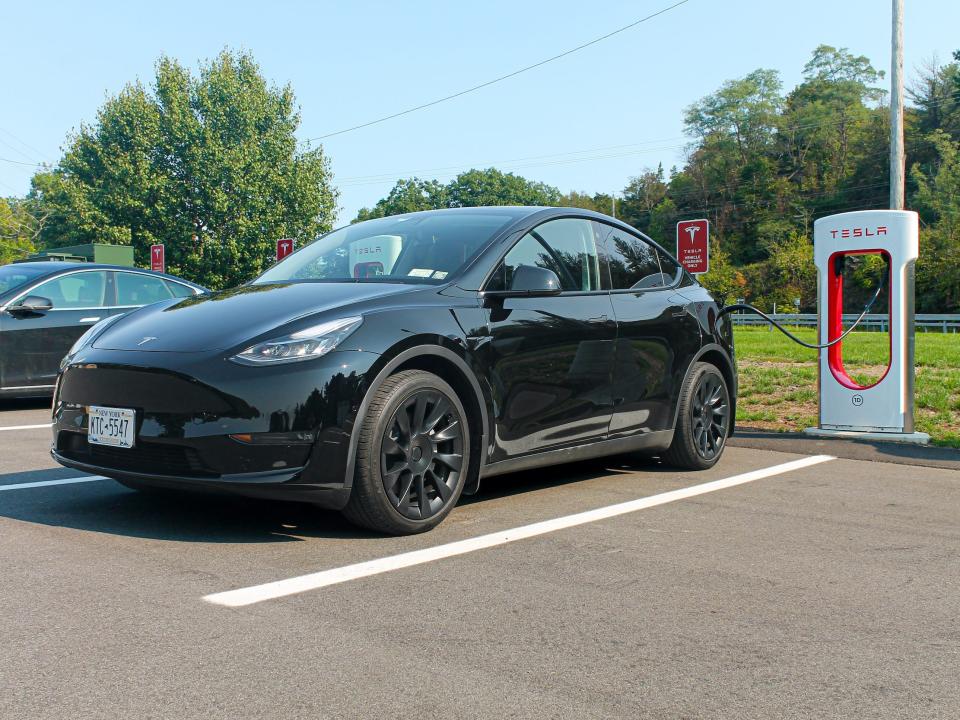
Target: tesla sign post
x: 158, y: 262
x: 693, y: 245
x: 284, y: 248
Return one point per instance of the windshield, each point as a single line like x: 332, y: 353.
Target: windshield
x: 13, y: 276
x: 417, y: 248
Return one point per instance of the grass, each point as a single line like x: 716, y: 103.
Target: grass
x: 778, y: 379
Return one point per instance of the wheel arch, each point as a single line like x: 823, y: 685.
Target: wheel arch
x: 717, y: 356
x: 451, y: 367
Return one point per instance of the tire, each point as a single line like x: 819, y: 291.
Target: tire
x: 413, y: 455
x: 703, y: 420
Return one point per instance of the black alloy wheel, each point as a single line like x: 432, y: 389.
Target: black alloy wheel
x: 703, y: 419
x: 710, y: 416
x: 413, y: 455
x: 421, y: 454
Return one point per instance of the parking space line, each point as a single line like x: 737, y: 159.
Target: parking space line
x: 47, y: 483
x: 314, y: 581
x: 26, y: 427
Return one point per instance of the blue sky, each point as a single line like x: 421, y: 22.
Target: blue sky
x: 586, y: 122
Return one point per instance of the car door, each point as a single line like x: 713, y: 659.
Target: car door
x: 550, y: 358
x: 35, y: 342
x: 655, y: 333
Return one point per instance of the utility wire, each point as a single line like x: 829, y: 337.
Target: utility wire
x: 488, y: 83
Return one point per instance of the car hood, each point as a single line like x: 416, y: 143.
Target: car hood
x: 225, y: 319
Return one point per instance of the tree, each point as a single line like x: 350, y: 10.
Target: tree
x: 938, y: 201
x: 406, y: 196
x: 19, y: 229
x: 207, y: 165
x: 472, y: 188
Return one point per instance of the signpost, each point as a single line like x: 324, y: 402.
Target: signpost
x: 284, y: 248
x: 158, y: 261
x: 693, y: 245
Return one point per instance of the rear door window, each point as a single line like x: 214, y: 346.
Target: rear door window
x: 134, y: 289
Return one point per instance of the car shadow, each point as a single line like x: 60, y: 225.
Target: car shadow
x: 109, y: 508
x: 35, y: 403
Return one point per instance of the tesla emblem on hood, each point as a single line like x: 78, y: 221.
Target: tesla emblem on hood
x: 148, y: 338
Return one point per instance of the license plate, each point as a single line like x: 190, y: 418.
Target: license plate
x: 110, y: 426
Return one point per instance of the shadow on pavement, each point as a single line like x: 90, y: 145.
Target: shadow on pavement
x: 104, y: 506
x: 40, y: 403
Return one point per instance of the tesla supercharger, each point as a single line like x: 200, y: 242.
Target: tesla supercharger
x: 884, y: 408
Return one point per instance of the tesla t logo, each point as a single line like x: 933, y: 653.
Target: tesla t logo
x: 692, y: 231
x: 859, y: 232
x: 148, y: 338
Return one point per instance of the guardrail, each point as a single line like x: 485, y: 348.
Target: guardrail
x: 875, y: 321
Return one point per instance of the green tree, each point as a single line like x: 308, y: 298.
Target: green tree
x: 409, y: 195
x: 472, y: 188
x: 207, y: 165
x: 938, y: 201
x: 19, y: 229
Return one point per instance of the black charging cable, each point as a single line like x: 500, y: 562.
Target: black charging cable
x: 750, y: 308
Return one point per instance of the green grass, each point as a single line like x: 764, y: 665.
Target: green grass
x: 778, y: 379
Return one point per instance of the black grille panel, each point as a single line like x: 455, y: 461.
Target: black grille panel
x: 147, y: 458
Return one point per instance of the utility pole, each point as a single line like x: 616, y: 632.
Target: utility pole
x: 613, y: 205
x: 898, y: 164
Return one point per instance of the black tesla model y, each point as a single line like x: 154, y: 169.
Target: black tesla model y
x: 387, y: 367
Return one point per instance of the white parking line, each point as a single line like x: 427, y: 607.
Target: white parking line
x: 314, y: 581
x: 48, y: 483
x: 26, y: 427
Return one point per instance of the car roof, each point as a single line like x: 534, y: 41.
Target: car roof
x: 53, y: 267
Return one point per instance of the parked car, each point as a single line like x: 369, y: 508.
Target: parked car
x: 46, y: 306
x: 389, y: 366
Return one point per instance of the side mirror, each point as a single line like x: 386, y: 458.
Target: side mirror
x: 533, y: 280
x: 529, y: 281
x: 31, y: 305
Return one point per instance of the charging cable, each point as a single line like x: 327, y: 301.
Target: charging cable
x: 750, y: 308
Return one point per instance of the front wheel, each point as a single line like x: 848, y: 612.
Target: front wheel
x: 413, y: 455
x: 703, y: 420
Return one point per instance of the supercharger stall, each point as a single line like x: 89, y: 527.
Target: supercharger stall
x: 883, y: 409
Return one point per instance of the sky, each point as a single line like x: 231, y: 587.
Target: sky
x: 586, y: 122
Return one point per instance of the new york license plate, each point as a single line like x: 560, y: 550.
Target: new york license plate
x: 110, y: 426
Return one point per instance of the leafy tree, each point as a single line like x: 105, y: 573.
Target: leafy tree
x: 207, y: 165
x: 469, y: 189
x: 408, y: 196
x: 18, y: 230
x: 938, y: 201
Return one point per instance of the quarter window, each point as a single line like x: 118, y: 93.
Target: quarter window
x: 179, y: 289
x: 634, y: 263
x: 565, y: 246
x: 137, y: 289
x: 74, y: 291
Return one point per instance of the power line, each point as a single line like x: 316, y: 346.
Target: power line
x: 488, y: 83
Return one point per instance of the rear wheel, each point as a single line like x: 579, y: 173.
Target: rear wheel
x: 703, y: 420
x: 413, y: 455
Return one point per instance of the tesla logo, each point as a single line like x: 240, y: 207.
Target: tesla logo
x: 692, y: 231
x: 148, y: 338
x: 859, y: 232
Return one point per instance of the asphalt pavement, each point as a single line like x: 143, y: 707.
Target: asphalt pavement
x: 763, y: 588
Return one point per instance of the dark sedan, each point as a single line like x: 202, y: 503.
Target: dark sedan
x: 387, y: 367
x: 46, y: 306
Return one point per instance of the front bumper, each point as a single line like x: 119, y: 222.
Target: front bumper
x: 187, y: 407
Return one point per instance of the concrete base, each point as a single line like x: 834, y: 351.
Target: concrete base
x: 916, y: 438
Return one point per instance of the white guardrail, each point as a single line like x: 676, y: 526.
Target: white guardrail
x: 874, y: 321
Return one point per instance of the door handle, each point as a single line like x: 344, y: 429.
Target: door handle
x: 600, y: 319
x: 89, y: 319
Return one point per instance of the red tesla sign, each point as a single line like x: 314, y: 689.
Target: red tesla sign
x: 284, y: 248
x: 693, y: 245
x: 158, y: 262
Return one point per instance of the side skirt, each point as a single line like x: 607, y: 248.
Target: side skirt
x: 651, y: 441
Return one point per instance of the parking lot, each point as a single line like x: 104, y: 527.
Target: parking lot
x: 825, y: 587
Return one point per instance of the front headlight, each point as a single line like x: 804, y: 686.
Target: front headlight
x: 92, y: 333
x: 306, y: 344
